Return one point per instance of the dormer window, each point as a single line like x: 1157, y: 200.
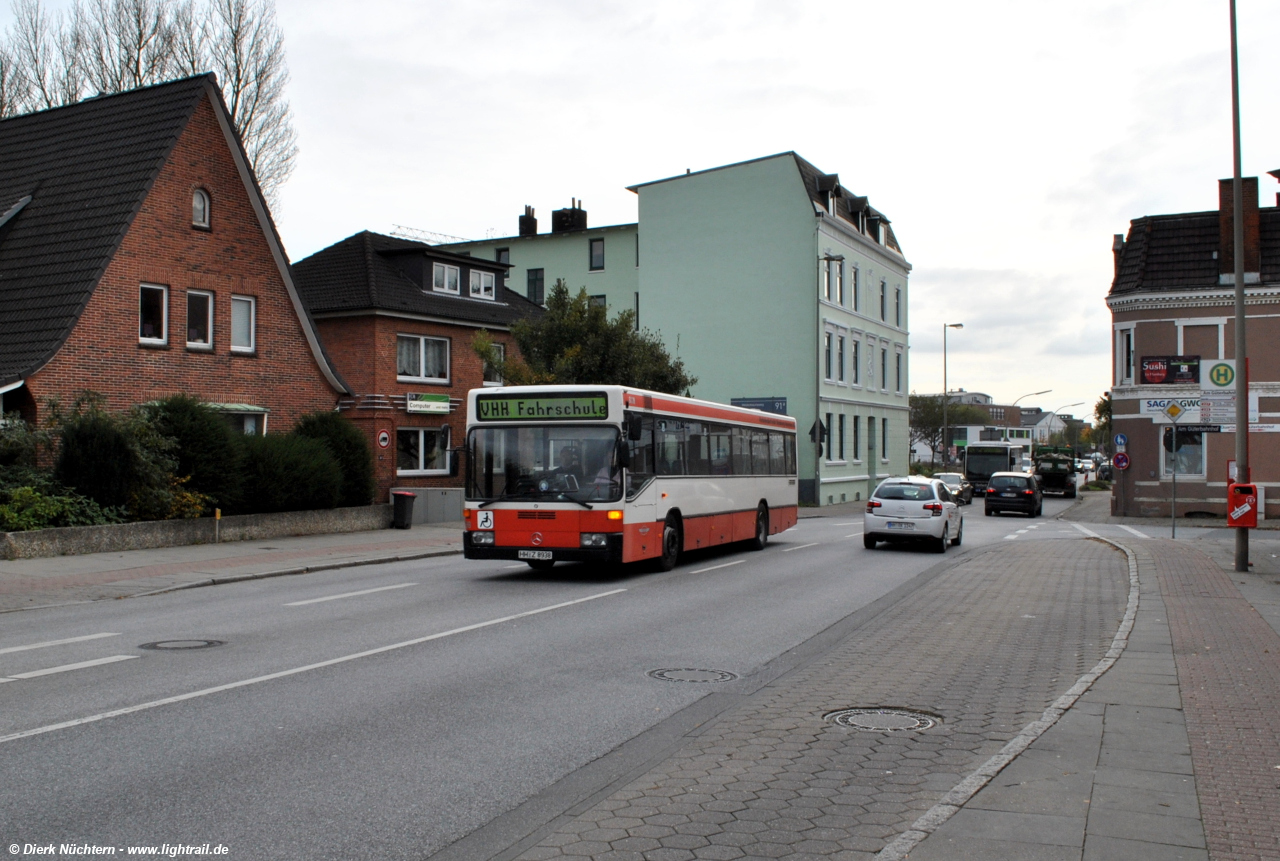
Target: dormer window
x: 445, y: 278
x: 481, y: 284
x: 200, y: 208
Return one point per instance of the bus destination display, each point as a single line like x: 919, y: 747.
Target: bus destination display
x: 550, y: 407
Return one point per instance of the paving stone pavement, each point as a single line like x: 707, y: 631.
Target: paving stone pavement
x: 987, y: 646
x: 1228, y: 660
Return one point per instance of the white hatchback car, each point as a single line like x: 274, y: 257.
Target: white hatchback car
x: 913, y: 509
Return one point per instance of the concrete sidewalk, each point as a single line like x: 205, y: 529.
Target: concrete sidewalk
x: 34, y: 583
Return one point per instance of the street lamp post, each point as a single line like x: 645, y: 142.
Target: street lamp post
x: 1053, y: 415
x: 946, y: 395
x: 1015, y: 403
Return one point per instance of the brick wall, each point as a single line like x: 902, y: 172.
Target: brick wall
x: 363, y: 349
x: 232, y: 258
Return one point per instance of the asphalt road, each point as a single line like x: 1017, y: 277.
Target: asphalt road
x: 387, y: 711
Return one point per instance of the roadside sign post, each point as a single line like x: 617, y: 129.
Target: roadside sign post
x: 1173, y: 411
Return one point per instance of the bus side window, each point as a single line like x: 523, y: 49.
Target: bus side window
x: 760, y: 452
x: 777, y: 454
x: 718, y: 437
x: 791, y: 454
x: 669, y: 447
x: 696, y: 449
x: 741, y: 451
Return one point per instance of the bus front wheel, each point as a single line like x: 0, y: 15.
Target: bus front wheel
x: 762, y: 528
x: 670, y: 544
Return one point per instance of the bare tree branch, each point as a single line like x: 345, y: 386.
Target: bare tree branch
x: 247, y: 53
x: 109, y: 46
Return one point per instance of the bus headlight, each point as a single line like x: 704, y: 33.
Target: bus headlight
x: 593, y: 539
x: 481, y: 538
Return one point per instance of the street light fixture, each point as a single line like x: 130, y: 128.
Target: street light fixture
x: 1054, y: 414
x: 1032, y: 452
x: 946, y: 395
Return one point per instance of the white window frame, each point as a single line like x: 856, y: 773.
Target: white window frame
x: 477, y: 284
x: 444, y: 448
x: 422, y: 353
x: 253, y: 325
x: 201, y: 194
x: 440, y: 275
x: 828, y: 355
x: 1125, y: 364
x: 898, y: 371
x: 830, y: 453
x: 501, y: 350
x: 163, y: 340
x: 854, y: 283
x: 884, y: 440
x: 209, y: 300
x: 841, y: 340
x: 855, y: 356
x: 591, y: 244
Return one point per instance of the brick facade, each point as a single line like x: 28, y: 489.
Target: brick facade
x: 232, y: 257
x: 363, y: 348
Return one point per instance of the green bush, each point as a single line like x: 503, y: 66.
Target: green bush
x: 19, y: 442
x: 349, y: 447
x: 98, y: 460
x: 26, y: 508
x: 288, y: 473
x: 206, y: 451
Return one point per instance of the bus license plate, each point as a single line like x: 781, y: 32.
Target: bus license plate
x: 895, y: 525
x: 533, y: 554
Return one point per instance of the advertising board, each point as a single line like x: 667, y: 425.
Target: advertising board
x: 1170, y: 370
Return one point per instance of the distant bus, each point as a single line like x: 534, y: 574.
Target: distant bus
x: 616, y: 474
x: 981, y: 459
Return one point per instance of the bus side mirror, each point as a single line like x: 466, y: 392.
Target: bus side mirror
x: 624, y: 455
x: 634, y: 429
x: 453, y: 462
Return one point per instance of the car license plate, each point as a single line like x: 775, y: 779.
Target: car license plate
x: 533, y: 554
x: 1008, y: 494
x: 895, y: 525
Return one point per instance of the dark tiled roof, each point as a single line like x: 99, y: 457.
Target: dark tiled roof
x: 847, y: 204
x: 88, y: 168
x: 369, y: 271
x: 1176, y: 252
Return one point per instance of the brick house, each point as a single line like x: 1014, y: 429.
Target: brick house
x: 398, y: 318
x: 138, y: 259
x: 1172, y: 306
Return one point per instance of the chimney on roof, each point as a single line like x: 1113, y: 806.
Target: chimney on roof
x: 528, y: 224
x: 1226, y: 231
x: 1117, y: 249
x: 1276, y: 174
x: 567, y: 220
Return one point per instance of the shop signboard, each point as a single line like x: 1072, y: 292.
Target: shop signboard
x: 1170, y: 370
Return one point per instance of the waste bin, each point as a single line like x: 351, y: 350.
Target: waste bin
x: 402, y: 509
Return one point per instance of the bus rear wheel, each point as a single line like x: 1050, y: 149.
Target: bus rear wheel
x: 762, y: 528
x: 670, y: 544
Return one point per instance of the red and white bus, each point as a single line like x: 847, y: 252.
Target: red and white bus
x: 616, y: 474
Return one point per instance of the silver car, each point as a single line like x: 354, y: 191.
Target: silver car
x: 913, y: 509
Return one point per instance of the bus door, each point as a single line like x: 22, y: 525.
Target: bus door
x: 643, y: 533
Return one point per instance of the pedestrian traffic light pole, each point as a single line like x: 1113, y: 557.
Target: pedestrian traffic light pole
x: 1241, y: 351
x: 946, y: 396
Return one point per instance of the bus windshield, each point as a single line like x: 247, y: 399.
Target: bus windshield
x: 980, y: 463
x: 557, y: 463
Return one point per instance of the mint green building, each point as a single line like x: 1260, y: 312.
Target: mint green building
x: 773, y: 282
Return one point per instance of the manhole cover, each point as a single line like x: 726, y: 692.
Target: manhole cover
x: 689, y: 675
x: 883, y: 720
x: 176, y: 645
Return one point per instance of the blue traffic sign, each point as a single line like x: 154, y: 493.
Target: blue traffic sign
x: 1121, y: 439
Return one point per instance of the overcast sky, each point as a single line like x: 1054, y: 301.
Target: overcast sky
x: 1006, y: 141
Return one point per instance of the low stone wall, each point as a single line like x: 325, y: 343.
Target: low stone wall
x: 74, y: 540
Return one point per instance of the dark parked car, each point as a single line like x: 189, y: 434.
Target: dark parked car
x: 960, y: 486
x: 1013, y: 491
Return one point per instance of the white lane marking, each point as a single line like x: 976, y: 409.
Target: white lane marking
x: 1037, y: 526
x: 853, y: 535
x: 285, y: 673
x: 47, y: 643
x: 1088, y: 532
x: 847, y: 523
x: 1010, y: 537
x: 348, y: 594
x: 65, y: 668
x: 714, y: 567
x: 802, y: 546
x: 1134, y: 531
x: 1022, y: 532
x: 513, y: 567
